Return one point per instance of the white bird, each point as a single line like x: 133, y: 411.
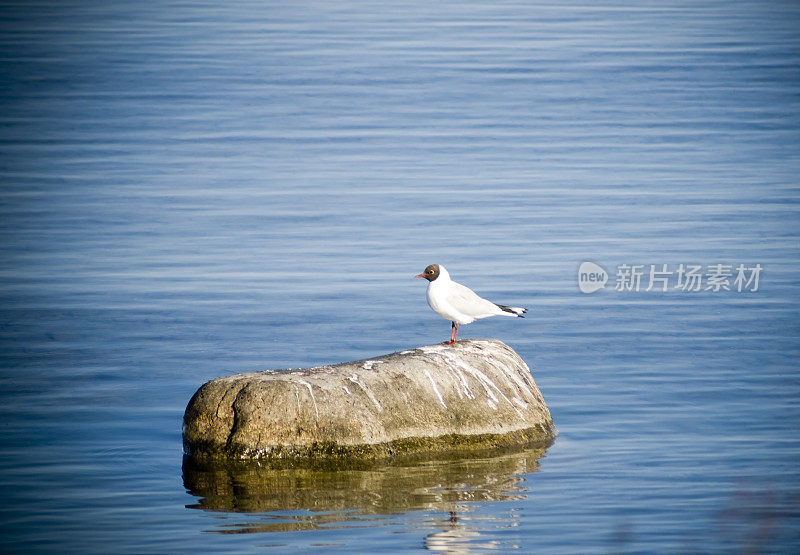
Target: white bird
x: 459, y: 304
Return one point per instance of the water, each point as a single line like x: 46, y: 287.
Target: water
x: 191, y: 190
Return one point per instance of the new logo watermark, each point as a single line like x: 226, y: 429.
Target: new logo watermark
x: 662, y: 277
x: 591, y: 277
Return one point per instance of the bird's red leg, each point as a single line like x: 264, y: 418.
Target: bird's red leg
x: 455, y: 333
x: 453, y: 326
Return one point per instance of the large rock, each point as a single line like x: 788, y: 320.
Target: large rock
x: 475, y: 394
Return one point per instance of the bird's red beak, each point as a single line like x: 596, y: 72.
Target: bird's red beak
x: 421, y: 275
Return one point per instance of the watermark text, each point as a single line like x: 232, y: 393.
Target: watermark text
x: 663, y: 277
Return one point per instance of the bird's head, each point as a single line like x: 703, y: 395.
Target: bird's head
x: 430, y: 273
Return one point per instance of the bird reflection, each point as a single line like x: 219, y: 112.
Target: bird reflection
x: 462, y: 536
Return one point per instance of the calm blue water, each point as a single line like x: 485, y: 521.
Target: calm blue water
x: 193, y: 189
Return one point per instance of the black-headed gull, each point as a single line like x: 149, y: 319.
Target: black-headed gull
x: 459, y: 304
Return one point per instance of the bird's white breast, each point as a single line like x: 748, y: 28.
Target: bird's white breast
x: 437, y: 294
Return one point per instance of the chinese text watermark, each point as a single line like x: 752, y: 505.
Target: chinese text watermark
x: 663, y: 277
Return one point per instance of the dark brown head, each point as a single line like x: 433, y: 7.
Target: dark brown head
x: 430, y: 273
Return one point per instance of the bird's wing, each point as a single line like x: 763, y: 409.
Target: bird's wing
x: 466, y: 301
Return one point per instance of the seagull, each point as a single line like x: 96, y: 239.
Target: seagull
x: 458, y: 303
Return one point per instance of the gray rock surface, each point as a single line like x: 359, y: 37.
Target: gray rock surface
x: 474, y: 394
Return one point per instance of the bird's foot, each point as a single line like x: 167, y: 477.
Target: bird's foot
x: 448, y: 342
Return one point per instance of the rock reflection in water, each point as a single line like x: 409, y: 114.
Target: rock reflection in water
x: 295, y: 499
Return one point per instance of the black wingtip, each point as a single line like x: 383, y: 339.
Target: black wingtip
x: 511, y: 310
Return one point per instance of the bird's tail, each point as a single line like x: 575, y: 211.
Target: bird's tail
x: 513, y: 310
